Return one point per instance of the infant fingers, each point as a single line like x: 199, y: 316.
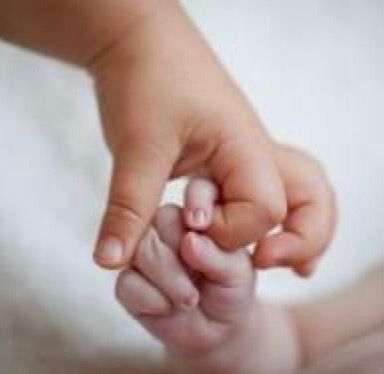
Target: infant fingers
x: 224, y: 268
x: 169, y: 225
x: 139, y: 297
x: 161, y: 266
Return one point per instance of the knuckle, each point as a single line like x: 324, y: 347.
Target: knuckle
x: 270, y: 211
x: 149, y: 255
x: 167, y: 216
x: 149, y: 146
x: 264, y: 216
x: 127, y: 290
x: 122, y: 211
x: 185, y: 298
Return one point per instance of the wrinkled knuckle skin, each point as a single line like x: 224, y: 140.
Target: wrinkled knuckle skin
x: 168, y: 215
x: 119, y: 211
x: 150, y: 255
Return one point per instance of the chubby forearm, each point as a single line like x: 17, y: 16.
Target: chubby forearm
x: 76, y: 31
x: 328, y: 324
x: 286, y: 339
x: 267, y: 344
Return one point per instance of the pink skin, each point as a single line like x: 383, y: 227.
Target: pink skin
x: 182, y: 288
x: 199, y: 301
x: 200, y: 196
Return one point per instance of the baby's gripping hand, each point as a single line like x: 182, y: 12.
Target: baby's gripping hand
x: 185, y: 290
x: 199, y: 300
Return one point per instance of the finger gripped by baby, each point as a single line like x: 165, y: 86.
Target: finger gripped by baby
x: 200, y: 196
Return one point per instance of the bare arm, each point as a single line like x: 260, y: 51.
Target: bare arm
x: 72, y: 30
x: 326, y: 325
x: 344, y: 330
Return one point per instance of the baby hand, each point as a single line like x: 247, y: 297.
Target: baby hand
x: 187, y: 292
x: 191, y: 297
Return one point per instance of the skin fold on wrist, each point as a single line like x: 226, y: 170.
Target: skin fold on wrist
x: 235, y: 354
x: 122, y: 24
x: 70, y: 30
x: 155, y: 26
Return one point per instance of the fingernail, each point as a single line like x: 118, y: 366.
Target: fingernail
x: 199, y: 217
x: 110, y: 251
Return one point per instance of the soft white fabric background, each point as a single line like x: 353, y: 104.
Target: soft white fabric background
x: 315, y: 71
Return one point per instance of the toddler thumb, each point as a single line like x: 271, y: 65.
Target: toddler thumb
x: 140, y: 173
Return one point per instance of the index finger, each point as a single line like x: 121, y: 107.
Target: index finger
x: 309, y: 226
x: 252, y: 197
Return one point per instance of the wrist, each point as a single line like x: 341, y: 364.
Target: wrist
x: 146, y: 30
x: 266, y: 342
x: 161, y: 32
x: 72, y: 30
x: 235, y: 354
x: 118, y: 19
